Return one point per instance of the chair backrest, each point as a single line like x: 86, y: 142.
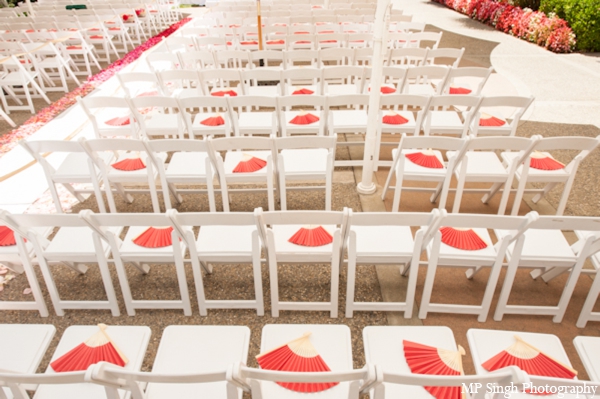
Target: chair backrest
x: 241, y: 143
x: 183, y: 222
x: 303, y: 56
x: 247, y: 103
x: 424, y: 74
x: 18, y: 382
x: 304, y: 142
x: 203, y: 103
x: 232, y: 58
x: 271, y: 58
x: 481, y: 74
x: 407, y: 56
x: 467, y: 106
x: 431, y: 38
x: 525, y: 144
x: 159, y: 61
x: 29, y: 225
x: 454, y: 55
x: 94, y: 146
x: 198, y: 60
x: 39, y: 148
x: 517, y: 104
x: 336, y: 56
x: 583, y: 144
x: 355, y: 101
x: 173, y: 79
x: 125, y: 78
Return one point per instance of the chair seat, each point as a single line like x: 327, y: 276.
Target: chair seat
x: 450, y: 256
x: 182, y: 93
x: 355, y: 120
x: 268, y: 91
x: 303, y: 162
x: 482, y: 166
x: 290, y: 89
x: 283, y: 247
x: 197, y: 349
x: 197, y: 126
x: 384, y: 347
x: 543, y: 248
x: 256, y: 120
x: 233, y: 158
x: 187, y: 166
x: 225, y: 242
x: 420, y: 89
x: 408, y: 126
x: 588, y: 349
x: 17, y: 78
x: 131, y: 340
x: 217, y: 89
x: 162, y: 124
x: 536, y: 174
x: 130, y: 251
x: 383, y: 241
x: 75, y: 168
x: 412, y: 169
x: 75, y: 244
x: 117, y: 175
x: 341, y: 89
x: 445, y: 119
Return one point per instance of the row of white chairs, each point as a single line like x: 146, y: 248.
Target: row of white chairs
x: 530, y: 241
x: 283, y: 18
x: 209, y: 361
x: 278, y: 39
x: 192, y: 163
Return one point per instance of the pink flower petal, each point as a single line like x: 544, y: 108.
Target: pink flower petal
x: 27, y: 291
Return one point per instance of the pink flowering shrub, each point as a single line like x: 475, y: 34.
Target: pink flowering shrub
x: 547, y: 31
x: 36, y: 122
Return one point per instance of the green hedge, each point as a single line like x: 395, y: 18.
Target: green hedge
x: 584, y: 18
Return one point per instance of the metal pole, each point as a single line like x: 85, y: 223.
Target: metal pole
x: 260, y: 38
x: 366, y: 186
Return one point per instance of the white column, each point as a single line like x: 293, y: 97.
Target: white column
x: 366, y: 186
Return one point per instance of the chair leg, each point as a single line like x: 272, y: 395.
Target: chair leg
x: 40, y: 91
x: 545, y: 191
x: 50, y: 284
x: 106, y: 279
x: 507, y: 285
x: 565, y: 195
x: 493, y: 191
x: 588, y: 306
x: 351, y: 278
x: 518, y: 197
x: 429, y: 279
x: 32, y: 280
x: 568, y: 290
x: 181, y: 279
x: 124, y: 283
x: 257, y: 272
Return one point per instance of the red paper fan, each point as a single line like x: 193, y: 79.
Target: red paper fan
x: 275, y: 41
x: 544, y: 162
x: 325, y: 32
x: 328, y: 41
x: 304, y: 118
x: 230, y: 93
x: 302, y: 32
x: 148, y: 94
x: 459, y: 90
x: 118, y: 121
x: 96, y: 37
x: 154, y: 237
x: 529, y: 359
x: 423, y: 359
x: 249, y: 43
x: 489, y: 120
x: 213, y: 121
x: 98, y: 348
x: 425, y: 159
x: 311, y: 237
x: 303, y: 42
x: 129, y: 164
x: 297, y: 355
x: 394, y: 119
x: 386, y: 90
x: 74, y: 47
x: 462, y: 239
x: 249, y: 164
x: 303, y: 91
x: 7, y: 237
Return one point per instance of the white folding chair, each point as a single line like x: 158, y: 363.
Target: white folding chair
x: 52, y: 64
x: 332, y: 342
x: 300, y: 57
x: 68, y: 165
x: 74, y: 245
x: 127, y: 251
x: 158, y: 116
x: 347, y: 114
x: 110, y: 116
x: 190, y: 164
x: 16, y: 78
x: 247, y: 121
x: 136, y: 84
x: 466, y: 81
x: 493, y: 119
x: 197, y: 60
x: 180, y: 83
x: 131, y: 340
x: 181, y: 44
x: 492, y: 255
x: 403, y: 168
x: 444, y: 56
x: 19, y: 258
x: 431, y: 39
x: 302, y: 81
x: 405, y: 105
x: 223, y: 238
x: 309, y: 105
x: 278, y: 227
x: 392, y: 82
x: 28, y: 345
x: 450, y: 114
x: 527, y: 174
x: 241, y: 152
x: 384, y: 346
x: 125, y: 151
x: 546, y: 247
x: 340, y: 80
x: 480, y: 164
x: 587, y: 311
x: 272, y: 59
x: 254, y: 82
x: 587, y: 348
x: 330, y: 57
x: 485, y: 344
x: 76, y: 47
x: 202, y: 124
x: 210, y: 352
x: 386, y: 238
x: 420, y: 79
x: 162, y: 61
x: 233, y: 58
x: 305, y: 159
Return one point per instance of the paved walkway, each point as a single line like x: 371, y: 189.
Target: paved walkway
x: 565, y: 86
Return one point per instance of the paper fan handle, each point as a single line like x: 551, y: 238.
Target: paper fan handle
x: 461, y: 352
x: 306, y: 334
x: 102, y: 328
x: 545, y: 354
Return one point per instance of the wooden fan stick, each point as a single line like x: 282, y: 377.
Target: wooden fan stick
x: 462, y: 352
x: 548, y: 356
x: 304, y: 336
x: 103, y: 327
